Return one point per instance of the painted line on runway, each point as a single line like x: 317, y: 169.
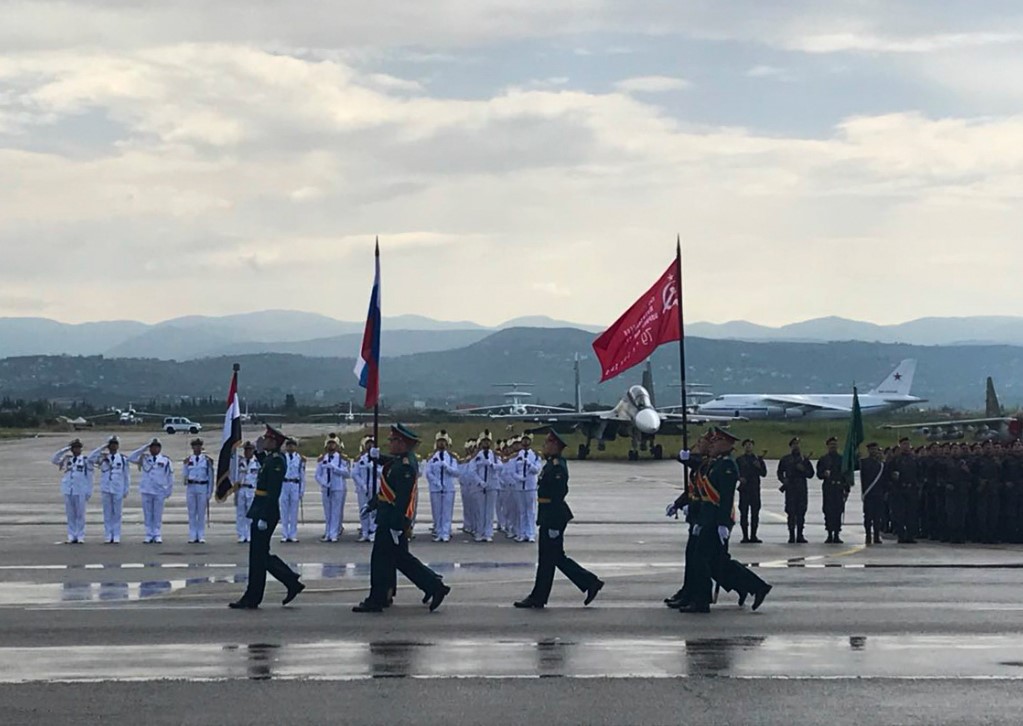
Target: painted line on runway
x: 788, y: 657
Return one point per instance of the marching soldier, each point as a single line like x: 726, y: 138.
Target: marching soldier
x: 553, y: 516
x: 833, y: 490
x: 441, y: 473
x: 486, y: 469
x: 75, y: 486
x: 114, y: 482
x: 905, y: 492
x: 155, y: 487
x: 793, y: 472
x: 331, y: 471
x: 688, y: 503
x: 247, y: 471
x: 526, y: 466
x: 198, y: 475
x: 873, y: 483
x: 751, y: 469
x: 366, y: 478
x: 716, y: 482
x: 395, y: 508
x: 265, y: 514
x: 292, y: 491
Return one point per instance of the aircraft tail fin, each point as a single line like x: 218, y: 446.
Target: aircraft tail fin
x: 992, y: 408
x: 578, y: 387
x: 899, y: 382
x: 648, y: 383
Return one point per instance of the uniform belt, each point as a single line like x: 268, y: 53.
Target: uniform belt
x: 293, y: 481
x: 196, y: 481
x: 543, y: 500
x: 247, y: 486
x: 261, y: 492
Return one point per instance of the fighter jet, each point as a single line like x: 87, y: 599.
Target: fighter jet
x: 994, y: 426
x: 634, y: 416
x: 892, y: 394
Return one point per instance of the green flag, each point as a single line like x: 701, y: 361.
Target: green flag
x: 853, y: 440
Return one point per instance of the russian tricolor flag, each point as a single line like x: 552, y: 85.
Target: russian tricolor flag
x: 367, y: 365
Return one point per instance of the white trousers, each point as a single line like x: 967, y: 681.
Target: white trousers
x: 113, y: 507
x: 470, y: 508
x: 242, y: 501
x: 290, y: 502
x: 527, y: 514
x: 486, y: 511
x: 513, y: 506
x: 333, y: 511
x: 74, y: 507
x: 195, y: 497
x: 152, y: 514
x: 442, y: 509
x: 367, y: 522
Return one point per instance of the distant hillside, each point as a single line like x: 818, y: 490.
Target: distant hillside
x: 952, y: 375
x: 993, y: 330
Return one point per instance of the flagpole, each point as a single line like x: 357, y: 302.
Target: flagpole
x: 376, y: 404
x: 682, y: 345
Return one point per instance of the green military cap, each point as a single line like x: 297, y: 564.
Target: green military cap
x: 405, y: 432
x: 719, y: 433
x: 872, y: 445
x: 831, y: 440
x: 552, y: 435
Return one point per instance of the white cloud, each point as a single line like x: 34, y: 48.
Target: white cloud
x: 765, y: 71
x: 652, y: 84
x: 874, y: 43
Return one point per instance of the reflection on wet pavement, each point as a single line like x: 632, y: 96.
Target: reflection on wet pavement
x: 810, y: 657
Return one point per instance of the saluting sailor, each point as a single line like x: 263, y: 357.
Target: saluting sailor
x: 553, y: 516
x: 247, y: 473
x: 198, y: 475
x: 265, y: 513
x: 76, y: 486
x: 292, y: 491
x: 395, y: 506
x: 525, y: 467
x: 331, y: 472
x: 114, y: 482
x: 155, y: 487
x: 441, y: 474
x: 363, y: 473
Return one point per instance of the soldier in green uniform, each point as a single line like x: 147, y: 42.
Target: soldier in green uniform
x: 395, y: 506
x: 553, y: 516
x: 833, y: 490
x: 713, y: 528
x: 265, y: 514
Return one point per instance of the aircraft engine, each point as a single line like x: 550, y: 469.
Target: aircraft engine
x: 647, y: 421
x: 771, y: 412
x: 793, y: 413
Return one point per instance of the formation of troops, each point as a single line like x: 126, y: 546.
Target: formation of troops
x: 497, y: 480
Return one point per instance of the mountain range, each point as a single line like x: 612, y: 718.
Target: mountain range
x: 946, y: 375
x: 311, y: 334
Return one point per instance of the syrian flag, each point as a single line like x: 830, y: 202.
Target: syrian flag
x: 367, y: 366
x: 652, y: 320
x: 231, y: 438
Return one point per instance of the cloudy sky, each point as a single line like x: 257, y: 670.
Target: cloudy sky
x: 166, y: 157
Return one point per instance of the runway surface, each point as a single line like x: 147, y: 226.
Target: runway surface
x: 883, y: 634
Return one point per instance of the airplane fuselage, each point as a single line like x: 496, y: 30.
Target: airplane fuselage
x: 836, y: 406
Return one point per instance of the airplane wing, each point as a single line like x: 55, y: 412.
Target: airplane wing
x: 699, y: 418
x: 805, y: 403
x: 102, y: 415
x: 950, y: 422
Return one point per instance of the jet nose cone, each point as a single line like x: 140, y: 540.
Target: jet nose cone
x: 647, y: 421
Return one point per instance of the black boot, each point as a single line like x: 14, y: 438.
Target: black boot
x: 800, y: 539
x: 830, y: 538
x: 745, y: 534
x: 877, y: 537
x: 836, y: 539
x: 792, y: 535
x: 753, y: 533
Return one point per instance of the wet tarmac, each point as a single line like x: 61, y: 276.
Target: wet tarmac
x: 803, y: 657
x: 138, y: 630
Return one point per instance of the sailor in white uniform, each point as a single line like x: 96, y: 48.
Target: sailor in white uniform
x: 486, y: 468
x: 526, y: 466
x: 155, y: 487
x: 114, y: 482
x: 292, y: 491
x: 441, y: 474
x: 362, y: 470
x: 246, y: 474
x: 198, y: 476
x: 332, y: 469
x: 76, y: 486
